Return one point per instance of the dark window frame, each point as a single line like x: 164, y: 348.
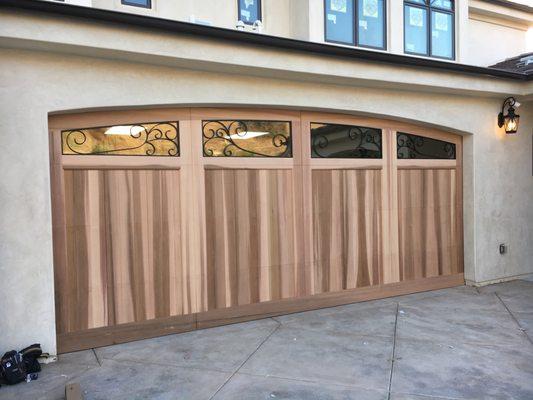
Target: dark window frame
x: 355, y: 39
x: 129, y: 3
x: 259, y: 12
x: 414, y: 143
x: 429, y: 8
x: 364, y: 130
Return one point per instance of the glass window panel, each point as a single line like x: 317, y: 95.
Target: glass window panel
x: 249, y: 11
x: 371, y: 20
x: 415, y: 25
x: 424, y: 2
x: 246, y: 138
x: 345, y: 141
x: 421, y: 147
x: 339, y: 21
x: 147, y: 139
x: 444, y: 4
x: 139, y: 3
x: 441, y: 34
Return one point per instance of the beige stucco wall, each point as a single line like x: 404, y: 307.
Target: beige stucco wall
x: 104, y: 70
x: 492, y: 42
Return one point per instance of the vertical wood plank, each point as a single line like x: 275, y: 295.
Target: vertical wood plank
x: 347, y: 212
x: 123, y: 251
x: 427, y: 222
x: 250, y: 236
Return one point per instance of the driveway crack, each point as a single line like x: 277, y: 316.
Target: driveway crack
x: 247, y: 358
x: 514, y: 318
x: 393, y: 349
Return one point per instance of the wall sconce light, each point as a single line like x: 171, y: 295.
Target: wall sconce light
x: 510, y: 120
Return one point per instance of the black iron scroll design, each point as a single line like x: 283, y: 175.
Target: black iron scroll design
x: 363, y: 142
x: 414, y: 146
x: 161, y: 139
x: 227, y: 139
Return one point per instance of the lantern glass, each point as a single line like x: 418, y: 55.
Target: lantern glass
x: 511, y: 123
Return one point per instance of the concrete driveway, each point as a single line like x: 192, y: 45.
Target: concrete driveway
x: 460, y: 343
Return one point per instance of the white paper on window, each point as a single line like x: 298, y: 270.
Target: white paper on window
x: 338, y: 5
x: 363, y: 24
x: 416, y: 17
x: 332, y: 18
x: 370, y: 8
x: 442, y: 3
x: 245, y: 14
x: 248, y: 3
x: 441, y: 22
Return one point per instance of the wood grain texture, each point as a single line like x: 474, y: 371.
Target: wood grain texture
x: 145, y: 247
x: 273, y: 308
x: 106, y: 336
x: 347, y: 229
x: 123, y: 249
x: 250, y: 236
x: 428, y: 230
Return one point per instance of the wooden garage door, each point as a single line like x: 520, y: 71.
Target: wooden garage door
x: 201, y: 217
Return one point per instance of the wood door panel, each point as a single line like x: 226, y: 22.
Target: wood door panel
x: 250, y: 236
x: 83, y: 301
x: 428, y: 229
x: 347, y: 234
x: 144, y: 250
x: 123, y: 248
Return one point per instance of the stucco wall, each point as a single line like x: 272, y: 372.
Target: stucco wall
x: 279, y: 16
x: 503, y: 197
x: 490, y: 42
x: 498, y: 176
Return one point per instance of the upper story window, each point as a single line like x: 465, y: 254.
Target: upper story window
x: 429, y: 28
x: 249, y: 11
x: 355, y: 22
x: 138, y: 3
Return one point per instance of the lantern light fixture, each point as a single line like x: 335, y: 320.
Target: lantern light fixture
x: 510, y: 120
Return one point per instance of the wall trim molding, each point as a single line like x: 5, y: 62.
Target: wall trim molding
x: 510, y: 4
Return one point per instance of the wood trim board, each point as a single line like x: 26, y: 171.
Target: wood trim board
x: 107, y: 336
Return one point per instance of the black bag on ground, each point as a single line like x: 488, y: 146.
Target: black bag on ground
x: 30, y: 355
x: 16, y: 365
x: 12, y: 368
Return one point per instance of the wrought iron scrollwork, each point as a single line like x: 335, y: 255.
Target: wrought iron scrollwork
x: 233, y: 139
x: 414, y: 146
x: 161, y: 139
x: 354, y: 141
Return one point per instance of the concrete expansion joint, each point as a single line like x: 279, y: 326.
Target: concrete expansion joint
x: 97, y: 358
x: 393, y: 358
x: 247, y: 358
x: 520, y: 327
